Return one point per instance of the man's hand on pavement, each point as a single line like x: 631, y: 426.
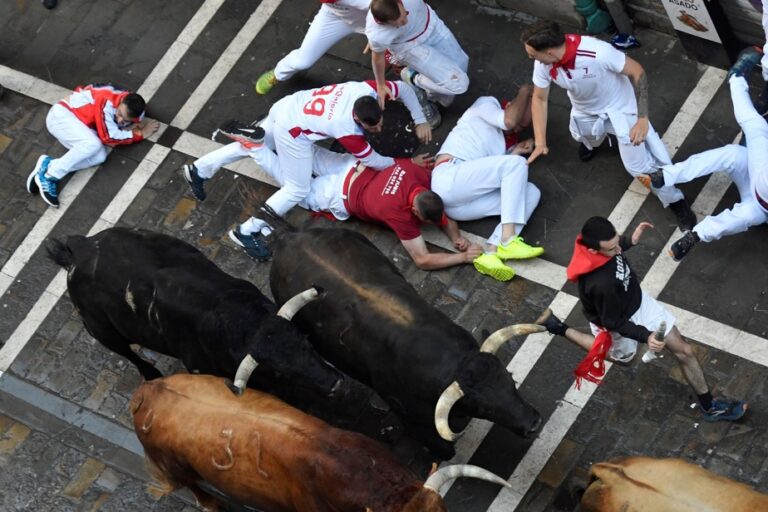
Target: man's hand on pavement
x: 537, y: 152
x: 472, y: 252
x: 149, y: 127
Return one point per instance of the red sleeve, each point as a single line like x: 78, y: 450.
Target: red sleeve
x: 405, y: 229
x: 356, y: 145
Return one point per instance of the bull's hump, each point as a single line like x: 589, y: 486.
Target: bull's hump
x: 379, y: 299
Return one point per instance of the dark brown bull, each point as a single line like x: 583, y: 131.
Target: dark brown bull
x: 263, y: 453
x: 636, y: 484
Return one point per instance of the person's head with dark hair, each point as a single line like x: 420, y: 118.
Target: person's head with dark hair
x: 130, y: 110
x: 544, y: 41
x: 599, y: 235
x: 428, y: 207
x: 389, y: 12
x: 368, y: 113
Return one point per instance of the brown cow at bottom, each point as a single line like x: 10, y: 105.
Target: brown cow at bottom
x: 263, y: 453
x: 643, y: 484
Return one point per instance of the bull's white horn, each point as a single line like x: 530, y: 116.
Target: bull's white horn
x: 293, y: 305
x: 448, y: 473
x: 493, y: 342
x: 450, y: 396
x: 244, y: 371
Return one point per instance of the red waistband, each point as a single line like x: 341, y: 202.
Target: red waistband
x: 762, y: 202
x: 347, y: 184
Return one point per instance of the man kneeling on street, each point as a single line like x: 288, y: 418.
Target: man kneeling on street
x: 612, y: 300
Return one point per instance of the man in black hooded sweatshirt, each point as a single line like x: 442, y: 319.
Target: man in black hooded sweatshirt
x: 612, y: 300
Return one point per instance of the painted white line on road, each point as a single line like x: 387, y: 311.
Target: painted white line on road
x: 50, y: 94
x: 42, y: 228
x: 179, y: 48
x: 56, y: 288
x: 225, y: 63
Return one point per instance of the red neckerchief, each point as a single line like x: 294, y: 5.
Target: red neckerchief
x: 592, y: 367
x: 328, y: 1
x: 568, y: 61
x: 583, y: 261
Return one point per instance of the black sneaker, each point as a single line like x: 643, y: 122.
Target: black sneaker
x: 725, y: 410
x: 50, y: 4
x: 196, y: 183
x: 586, y: 154
x: 686, y: 219
x: 683, y: 246
x: 255, y: 244
x: 248, y: 135
x: 653, y: 179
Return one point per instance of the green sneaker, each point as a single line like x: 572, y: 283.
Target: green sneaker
x: 517, y: 249
x: 491, y: 265
x: 266, y: 82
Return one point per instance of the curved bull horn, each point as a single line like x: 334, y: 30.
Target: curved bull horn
x: 450, y: 396
x: 493, y: 342
x: 448, y: 473
x: 293, y: 305
x: 244, y: 371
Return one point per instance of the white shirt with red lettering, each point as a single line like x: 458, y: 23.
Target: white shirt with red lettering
x: 326, y: 113
x: 382, y: 36
x: 596, y: 84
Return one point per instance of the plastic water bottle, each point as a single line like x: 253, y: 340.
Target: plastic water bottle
x: 659, y: 335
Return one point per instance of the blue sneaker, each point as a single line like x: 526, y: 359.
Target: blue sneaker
x: 255, y: 244
x: 32, y: 187
x: 195, y: 182
x: 625, y: 41
x: 745, y: 62
x: 48, y: 187
x: 725, y: 410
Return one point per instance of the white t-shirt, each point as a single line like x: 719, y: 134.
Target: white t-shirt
x: 596, y: 84
x: 479, y: 132
x: 326, y: 112
x: 382, y: 36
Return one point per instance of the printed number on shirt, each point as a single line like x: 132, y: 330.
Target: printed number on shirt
x: 316, y: 106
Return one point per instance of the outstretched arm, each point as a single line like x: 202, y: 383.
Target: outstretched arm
x: 539, y: 114
x: 426, y: 260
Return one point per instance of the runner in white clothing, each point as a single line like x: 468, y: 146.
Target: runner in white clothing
x: 479, y: 172
x: 417, y: 38
x: 747, y: 167
x: 604, y: 100
x: 341, y: 111
x: 335, y: 20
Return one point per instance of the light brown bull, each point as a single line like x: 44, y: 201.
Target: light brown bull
x: 261, y: 452
x: 643, y: 484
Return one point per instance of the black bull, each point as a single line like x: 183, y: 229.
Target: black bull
x: 378, y: 330
x: 136, y: 286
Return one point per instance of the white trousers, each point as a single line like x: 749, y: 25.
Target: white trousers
x: 755, y: 130
x: 327, y: 29
x: 733, y: 160
x: 441, y: 62
x: 649, y: 315
x: 294, y: 155
x: 85, y: 147
x: 642, y: 159
x: 764, y: 61
x: 494, y: 185
x: 325, y: 190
